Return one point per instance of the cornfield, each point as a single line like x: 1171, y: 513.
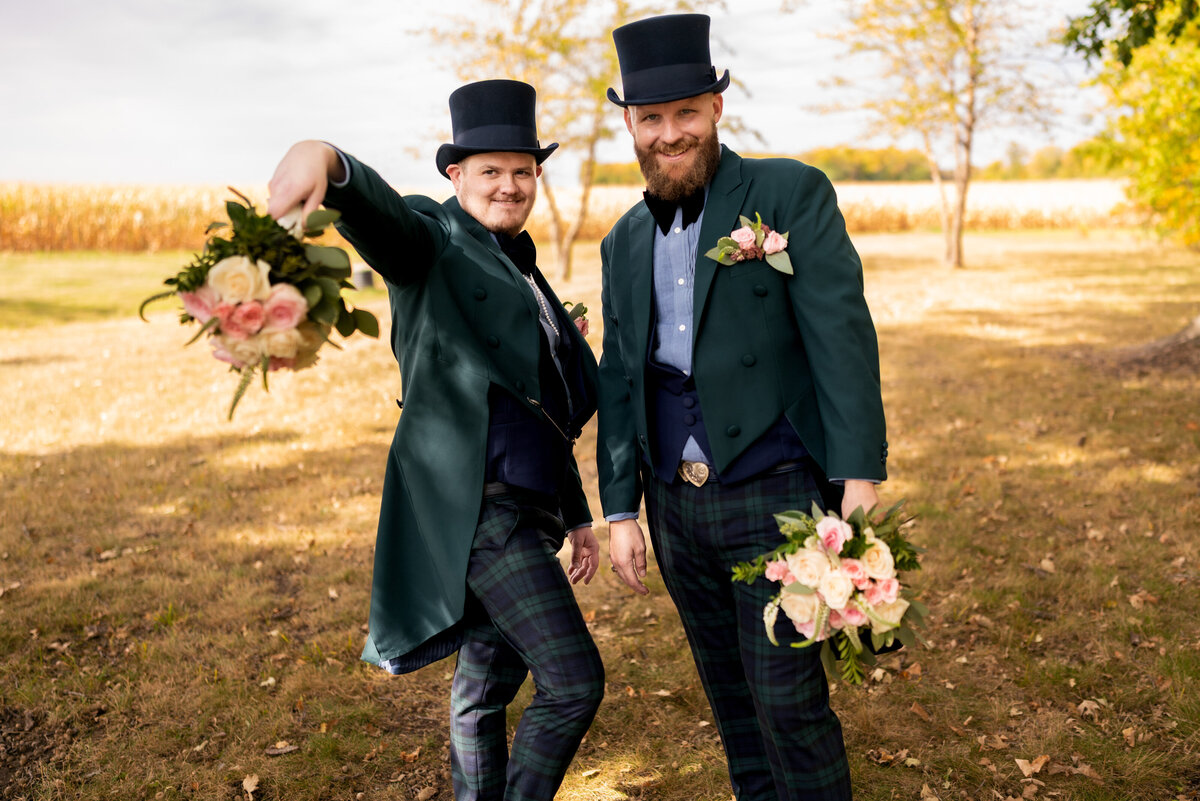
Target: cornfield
x: 43, y: 217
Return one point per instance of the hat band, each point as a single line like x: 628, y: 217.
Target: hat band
x: 669, y: 78
x: 497, y: 137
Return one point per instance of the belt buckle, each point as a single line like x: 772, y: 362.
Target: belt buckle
x: 694, y: 473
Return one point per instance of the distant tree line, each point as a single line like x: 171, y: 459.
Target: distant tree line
x: 1088, y: 159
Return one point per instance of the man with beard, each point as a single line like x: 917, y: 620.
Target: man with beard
x: 481, y: 478
x: 728, y: 392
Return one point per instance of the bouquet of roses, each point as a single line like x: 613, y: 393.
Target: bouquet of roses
x: 266, y: 299
x: 840, y: 585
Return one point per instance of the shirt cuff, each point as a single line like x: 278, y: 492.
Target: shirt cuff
x: 581, y: 525
x: 345, y: 169
x: 621, y: 516
x: 841, y: 481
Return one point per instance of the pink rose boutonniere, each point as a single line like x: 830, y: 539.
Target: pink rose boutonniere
x: 754, y: 240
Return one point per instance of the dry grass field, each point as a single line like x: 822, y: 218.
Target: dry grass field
x: 182, y: 599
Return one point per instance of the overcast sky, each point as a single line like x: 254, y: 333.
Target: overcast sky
x: 213, y: 92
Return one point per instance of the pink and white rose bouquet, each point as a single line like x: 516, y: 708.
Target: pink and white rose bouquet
x: 266, y: 299
x: 840, y: 585
x: 754, y: 240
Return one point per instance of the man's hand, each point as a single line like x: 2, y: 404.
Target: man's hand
x: 585, y: 554
x: 302, y: 177
x: 627, y: 550
x: 858, y: 493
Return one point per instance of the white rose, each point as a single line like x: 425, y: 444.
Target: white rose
x: 800, y: 607
x: 877, y: 561
x: 282, y: 344
x: 836, y: 588
x: 889, y: 615
x: 246, y: 352
x: 237, y: 279
x: 293, y: 222
x: 808, y: 566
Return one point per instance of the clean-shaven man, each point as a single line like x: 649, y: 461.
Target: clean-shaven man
x: 480, y: 479
x: 729, y: 393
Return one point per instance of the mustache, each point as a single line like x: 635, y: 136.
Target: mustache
x: 676, y: 148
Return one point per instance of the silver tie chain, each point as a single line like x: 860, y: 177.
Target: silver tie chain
x: 545, y: 307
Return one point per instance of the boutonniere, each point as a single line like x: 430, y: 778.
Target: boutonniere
x: 577, y: 313
x: 754, y: 240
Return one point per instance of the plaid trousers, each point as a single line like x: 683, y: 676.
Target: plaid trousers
x: 521, y: 618
x: 771, y: 704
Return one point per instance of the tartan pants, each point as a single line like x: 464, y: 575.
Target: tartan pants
x: 771, y: 704
x: 521, y: 618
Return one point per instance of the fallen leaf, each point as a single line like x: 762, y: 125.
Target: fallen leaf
x: 663, y: 693
x: 911, y: 672
x: 426, y: 794
x: 1139, y: 599
x: 1087, y: 770
x: 282, y: 747
x: 250, y: 784
x: 1130, y: 735
x: 1047, y: 564
x: 587, y: 774
x: 1089, y: 708
x: 411, y: 756
x: 1032, y: 768
x: 333, y: 594
x: 1030, y: 791
x: 912, y: 762
x: 927, y: 794
x: 920, y: 712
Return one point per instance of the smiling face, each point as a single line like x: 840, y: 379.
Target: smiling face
x: 497, y: 189
x: 676, y: 143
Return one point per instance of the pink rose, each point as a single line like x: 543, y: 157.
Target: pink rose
x: 745, y: 237
x: 285, y: 307
x: 774, y: 243
x: 778, y: 571
x: 247, y: 318
x: 806, y: 629
x: 883, y: 591
x: 220, y: 352
x: 853, y: 616
x: 581, y: 323
x: 833, y: 533
x: 200, y: 304
x: 836, y: 620
x: 222, y: 311
x: 857, y: 573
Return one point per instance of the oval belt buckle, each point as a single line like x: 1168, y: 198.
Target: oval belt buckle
x: 694, y: 473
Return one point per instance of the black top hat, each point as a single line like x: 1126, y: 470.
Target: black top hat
x: 665, y: 58
x: 489, y: 117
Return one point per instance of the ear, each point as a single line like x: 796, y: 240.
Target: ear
x: 628, y: 120
x: 537, y: 172
x: 455, y: 173
x: 718, y: 106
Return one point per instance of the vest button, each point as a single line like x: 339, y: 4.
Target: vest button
x: 749, y: 360
x: 733, y: 431
x: 493, y: 341
x: 760, y: 290
x: 480, y: 293
x: 689, y: 419
x: 689, y: 402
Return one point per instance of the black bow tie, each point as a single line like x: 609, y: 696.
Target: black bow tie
x: 520, y: 250
x: 664, y: 210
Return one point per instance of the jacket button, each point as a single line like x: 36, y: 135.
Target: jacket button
x: 689, y: 419
x: 480, y: 293
x: 748, y: 360
x: 733, y: 431
x: 760, y: 290
x: 689, y: 402
x: 520, y: 386
x: 493, y: 341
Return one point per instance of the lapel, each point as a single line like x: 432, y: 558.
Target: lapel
x: 501, y: 265
x: 641, y: 274
x: 725, y: 198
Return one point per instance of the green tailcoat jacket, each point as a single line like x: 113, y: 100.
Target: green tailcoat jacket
x: 764, y: 343
x: 463, y: 319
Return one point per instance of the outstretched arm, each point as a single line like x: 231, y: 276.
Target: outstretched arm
x: 303, y: 176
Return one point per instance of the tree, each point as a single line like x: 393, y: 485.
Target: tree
x: 1154, y: 131
x: 948, y: 70
x: 1122, y: 26
x: 563, y: 48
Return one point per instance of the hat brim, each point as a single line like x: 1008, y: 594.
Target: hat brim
x: 667, y: 97
x: 452, y: 154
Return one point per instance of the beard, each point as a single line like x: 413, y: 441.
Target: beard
x: 661, y: 184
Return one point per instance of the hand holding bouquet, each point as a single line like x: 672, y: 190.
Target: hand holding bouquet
x: 840, y: 585
x: 267, y: 300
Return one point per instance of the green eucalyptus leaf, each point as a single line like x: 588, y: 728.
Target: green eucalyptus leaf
x: 319, y: 219
x: 781, y: 262
x: 345, y: 321
x: 577, y: 310
x: 329, y: 288
x: 327, y: 256
x: 151, y: 299
x: 312, y: 294
x: 745, y: 221
x: 367, y: 323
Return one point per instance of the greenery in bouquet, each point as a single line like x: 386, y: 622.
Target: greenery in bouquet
x: 266, y: 299
x: 840, y: 586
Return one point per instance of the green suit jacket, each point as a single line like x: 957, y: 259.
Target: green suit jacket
x: 463, y: 319
x: 764, y: 344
